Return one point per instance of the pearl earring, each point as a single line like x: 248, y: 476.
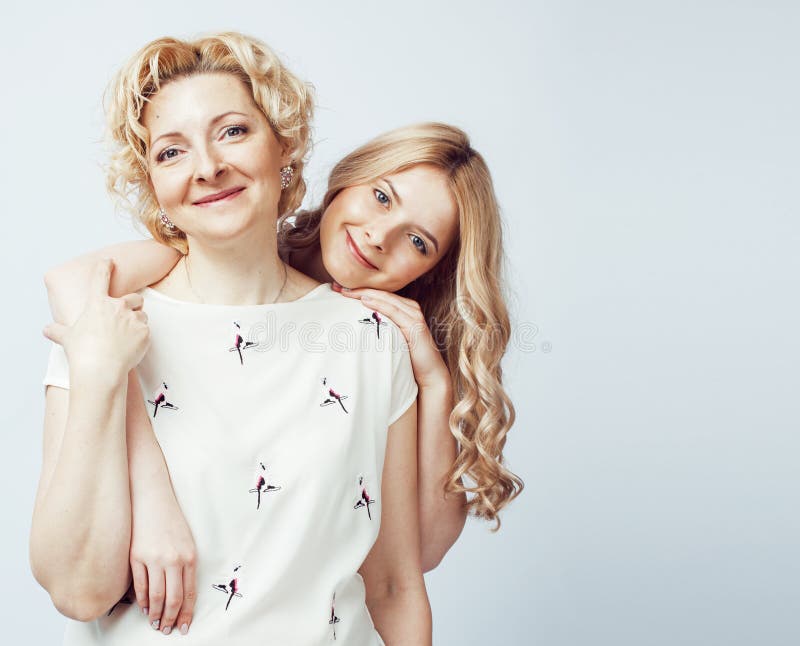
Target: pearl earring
x: 287, y: 173
x: 165, y: 220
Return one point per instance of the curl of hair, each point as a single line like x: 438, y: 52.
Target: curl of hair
x: 461, y: 298
x: 286, y: 101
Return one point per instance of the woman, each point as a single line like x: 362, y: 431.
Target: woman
x: 448, y: 305
x: 210, y: 134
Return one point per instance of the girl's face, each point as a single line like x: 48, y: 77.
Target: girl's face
x: 213, y: 159
x: 389, y: 232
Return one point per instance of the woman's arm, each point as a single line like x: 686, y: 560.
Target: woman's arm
x: 137, y: 265
x: 161, y: 542
x: 441, y: 518
x: 80, y: 534
x: 395, y: 590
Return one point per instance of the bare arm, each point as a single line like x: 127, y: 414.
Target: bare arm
x: 441, y: 518
x: 160, y: 540
x: 83, y: 489
x: 395, y: 590
x: 137, y: 265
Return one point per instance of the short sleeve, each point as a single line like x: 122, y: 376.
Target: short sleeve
x: 404, y: 388
x: 57, y: 368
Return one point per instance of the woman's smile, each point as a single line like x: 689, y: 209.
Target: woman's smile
x: 222, y: 196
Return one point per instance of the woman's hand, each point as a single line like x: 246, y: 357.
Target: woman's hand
x: 163, y: 559
x: 110, y: 336
x: 428, y: 365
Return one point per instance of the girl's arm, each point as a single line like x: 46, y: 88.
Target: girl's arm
x: 137, y: 265
x: 395, y: 589
x: 83, y: 487
x: 441, y: 518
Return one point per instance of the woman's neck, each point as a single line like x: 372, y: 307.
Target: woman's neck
x: 240, y: 273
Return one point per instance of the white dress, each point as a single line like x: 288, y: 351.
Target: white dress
x: 273, y: 421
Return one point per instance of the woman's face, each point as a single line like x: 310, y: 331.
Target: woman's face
x: 389, y: 232
x: 213, y: 159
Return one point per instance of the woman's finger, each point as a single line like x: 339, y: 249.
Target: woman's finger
x: 189, y: 596
x: 140, y: 588
x: 141, y: 315
x: 101, y: 277
x: 155, y: 578
x: 172, y: 604
x: 133, y: 301
x: 55, y: 332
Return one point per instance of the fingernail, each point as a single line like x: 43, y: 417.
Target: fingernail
x: 184, y: 629
x: 167, y: 630
x: 145, y: 610
x: 155, y: 623
x: 366, y: 299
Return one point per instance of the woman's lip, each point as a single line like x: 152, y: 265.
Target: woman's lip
x: 354, y: 250
x: 218, y: 197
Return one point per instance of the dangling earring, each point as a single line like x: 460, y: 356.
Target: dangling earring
x: 165, y: 220
x: 287, y: 173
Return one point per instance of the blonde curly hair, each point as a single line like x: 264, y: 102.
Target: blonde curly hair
x: 286, y: 101
x: 461, y: 297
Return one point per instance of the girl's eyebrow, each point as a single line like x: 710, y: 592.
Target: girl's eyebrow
x: 396, y: 198
x: 430, y: 235
x: 394, y: 193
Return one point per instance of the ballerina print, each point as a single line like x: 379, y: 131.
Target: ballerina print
x: 239, y: 344
x: 262, y: 486
x: 334, y: 619
x: 376, y: 320
x: 231, y: 588
x: 364, y: 499
x: 332, y: 397
x: 160, y: 400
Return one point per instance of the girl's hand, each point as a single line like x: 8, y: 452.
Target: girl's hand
x: 163, y: 561
x: 428, y: 365
x: 111, y: 335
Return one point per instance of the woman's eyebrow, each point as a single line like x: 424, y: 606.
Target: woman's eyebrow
x: 214, y: 121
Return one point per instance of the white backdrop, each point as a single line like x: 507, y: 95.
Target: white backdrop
x: 646, y: 158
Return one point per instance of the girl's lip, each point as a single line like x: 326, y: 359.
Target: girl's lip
x: 354, y: 250
x: 222, y: 195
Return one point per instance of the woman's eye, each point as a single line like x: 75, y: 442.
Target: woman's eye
x: 169, y: 153
x: 235, y: 131
x: 382, y: 197
x: 419, y: 243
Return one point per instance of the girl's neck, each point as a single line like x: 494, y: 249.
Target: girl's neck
x: 309, y: 262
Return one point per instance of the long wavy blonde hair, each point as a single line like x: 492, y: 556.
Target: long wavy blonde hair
x: 286, y: 101
x: 461, y: 297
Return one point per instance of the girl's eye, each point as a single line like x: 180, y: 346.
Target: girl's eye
x: 382, y: 197
x: 169, y: 153
x: 419, y: 243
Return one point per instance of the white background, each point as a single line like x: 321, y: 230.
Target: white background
x: 646, y: 158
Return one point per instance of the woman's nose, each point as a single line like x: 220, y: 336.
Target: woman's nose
x: 208, y: 166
